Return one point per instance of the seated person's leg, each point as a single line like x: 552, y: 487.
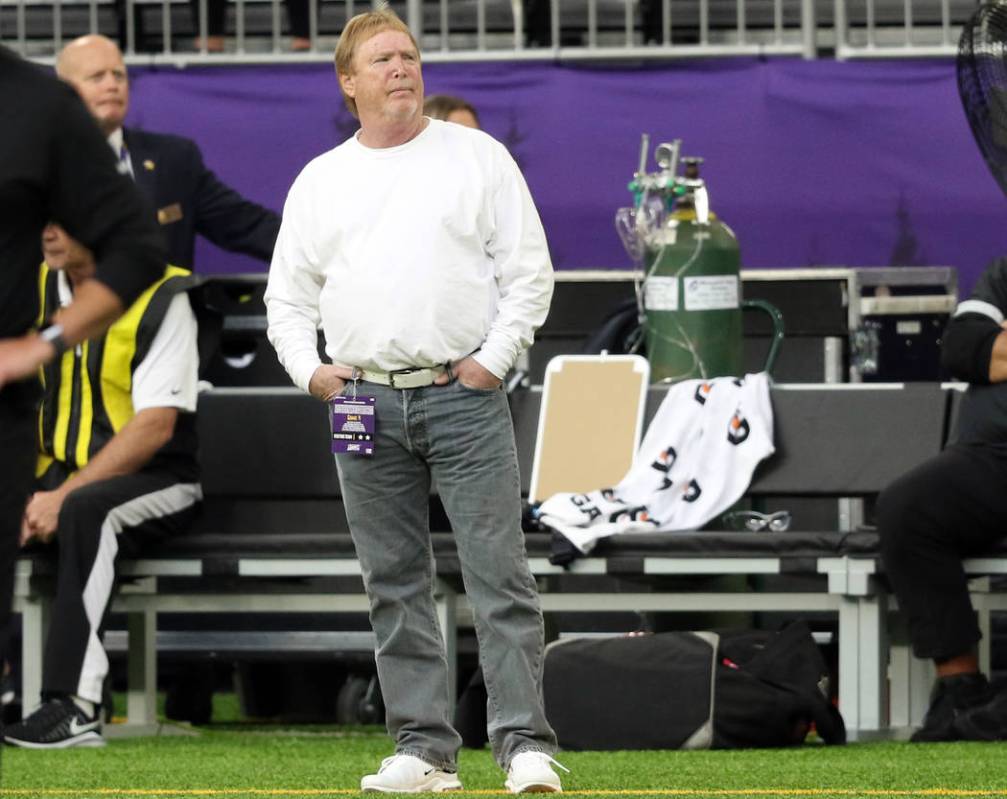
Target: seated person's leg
x: 141, y: 42
x: 300, y: 25
x: 216, y: 18
x: 97, y: 522
x: 17, y: 446
x: 538, y: 22
x: 951, y: 507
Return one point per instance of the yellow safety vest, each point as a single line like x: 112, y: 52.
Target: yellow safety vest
x: 88, y: 391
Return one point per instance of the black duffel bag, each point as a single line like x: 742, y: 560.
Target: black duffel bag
x: 683, y: 690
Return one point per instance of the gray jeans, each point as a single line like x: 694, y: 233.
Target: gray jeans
x: 464, y: 439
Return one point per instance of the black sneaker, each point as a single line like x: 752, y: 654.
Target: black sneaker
x: 950, y: 698
x: 57, y: 724
x: 985, y: 722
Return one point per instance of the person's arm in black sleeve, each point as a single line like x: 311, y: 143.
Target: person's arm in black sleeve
x: 94, y: 308
x: 103, y: 211
x: 229, y: 220
x: 100, y: 208
x: 974, y: 346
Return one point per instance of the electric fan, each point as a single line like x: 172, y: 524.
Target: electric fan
x: 982, y: 84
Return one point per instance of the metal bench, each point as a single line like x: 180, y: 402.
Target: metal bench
x: 273, y: 536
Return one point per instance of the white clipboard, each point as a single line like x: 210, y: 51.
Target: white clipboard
x: 590, y: 423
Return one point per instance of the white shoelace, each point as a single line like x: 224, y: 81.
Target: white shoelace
x: 548, y: 757
x: 387, y: 762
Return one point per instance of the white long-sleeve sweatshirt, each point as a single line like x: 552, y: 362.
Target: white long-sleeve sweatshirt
x: 410, y: 256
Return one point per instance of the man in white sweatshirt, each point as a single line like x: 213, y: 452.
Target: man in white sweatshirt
x: 417, y: 246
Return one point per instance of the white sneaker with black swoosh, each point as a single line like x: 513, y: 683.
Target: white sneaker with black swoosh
x: 409, y: 774
x: 57, y: 724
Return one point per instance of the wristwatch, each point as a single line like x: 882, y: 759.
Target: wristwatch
x: 54, y: 335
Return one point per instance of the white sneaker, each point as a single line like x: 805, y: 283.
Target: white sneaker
x: 531, y: 772
x: 408, y: 774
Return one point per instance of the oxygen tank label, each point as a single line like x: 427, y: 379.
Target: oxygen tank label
x: 661, y: 294
x: 711, y: 293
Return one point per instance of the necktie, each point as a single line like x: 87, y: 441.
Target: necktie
x: 125, y: 165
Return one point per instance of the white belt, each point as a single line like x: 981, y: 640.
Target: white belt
x: 402, y: 378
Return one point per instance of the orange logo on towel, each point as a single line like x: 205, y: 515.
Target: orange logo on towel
x: 738, y: 429
x: 664, y: 463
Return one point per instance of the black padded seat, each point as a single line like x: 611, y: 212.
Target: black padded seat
x: 713, y: 544
x: 803, y: 546
x: 673, y: 545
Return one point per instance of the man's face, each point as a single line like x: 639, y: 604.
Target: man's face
x: 96, y: 70
x: 386, y: 83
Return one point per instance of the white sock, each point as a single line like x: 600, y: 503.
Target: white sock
x: 85, y: 705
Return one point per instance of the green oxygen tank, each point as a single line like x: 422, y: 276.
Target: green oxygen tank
x: 690, y: 295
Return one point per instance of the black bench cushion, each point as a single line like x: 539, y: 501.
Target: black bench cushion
x: 838, y: 440
x: 262, y: 444
x: 272, y: 489
x: 293, y: 545
x: 712, y: 544
x: 850, y: 440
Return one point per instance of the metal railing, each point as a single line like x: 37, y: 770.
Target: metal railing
x: 448, y: 30
x: 907, y: 28
x: 155, y: 31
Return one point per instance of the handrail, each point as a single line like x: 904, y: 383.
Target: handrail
x: 906, y: 29
x: 462, y: 30
x: 494, y: 30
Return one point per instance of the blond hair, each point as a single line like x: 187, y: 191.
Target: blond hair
x: 357, y: 31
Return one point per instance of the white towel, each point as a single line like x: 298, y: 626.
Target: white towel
x: 696, y: 460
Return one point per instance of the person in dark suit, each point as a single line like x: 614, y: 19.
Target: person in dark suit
x: 168, y: 170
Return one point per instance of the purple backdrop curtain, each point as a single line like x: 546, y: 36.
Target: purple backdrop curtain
x: 811, y: 163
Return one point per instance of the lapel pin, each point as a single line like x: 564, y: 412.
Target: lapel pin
x: 148, y: 165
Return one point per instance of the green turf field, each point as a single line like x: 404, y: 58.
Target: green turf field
x: 268, y: 761
x: 235, y: 759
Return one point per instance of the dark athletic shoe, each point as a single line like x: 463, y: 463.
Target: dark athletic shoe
x: 57, y: 724
x: 985, y: 722
x: 950, y: 698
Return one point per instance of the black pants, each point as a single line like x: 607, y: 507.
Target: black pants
x: 950, y: 508
x: 17, y: 461
x: 216, y: 17
x: 97, y: 523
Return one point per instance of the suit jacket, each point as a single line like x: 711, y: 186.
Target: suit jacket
x: 190, y: 200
